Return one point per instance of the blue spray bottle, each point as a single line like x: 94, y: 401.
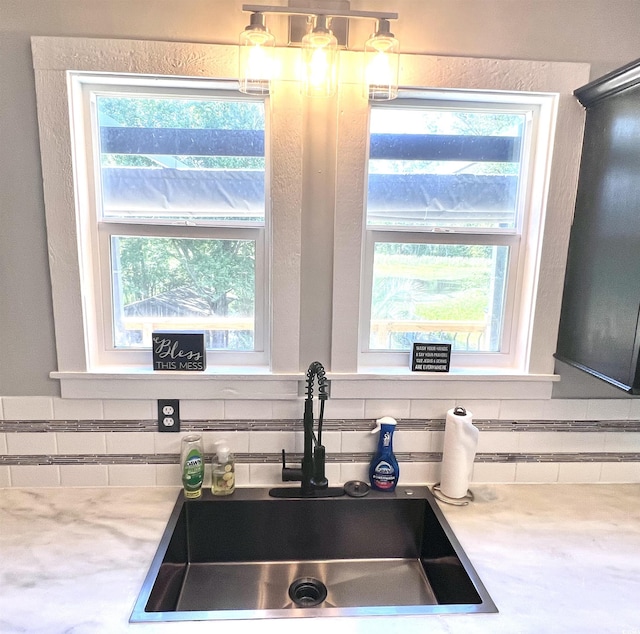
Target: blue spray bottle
x: 384, y: 471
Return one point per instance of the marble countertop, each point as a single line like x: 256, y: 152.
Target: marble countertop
x: 554, y: 558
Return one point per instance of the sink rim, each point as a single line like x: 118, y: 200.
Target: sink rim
x: 139, y: 614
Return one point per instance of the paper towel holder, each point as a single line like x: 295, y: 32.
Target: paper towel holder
x: 463, y: 501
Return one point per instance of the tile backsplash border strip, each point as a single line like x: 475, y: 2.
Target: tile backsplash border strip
x: 255, y: 458
x: 434, y: 424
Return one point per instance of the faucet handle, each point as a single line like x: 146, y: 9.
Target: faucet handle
x: 290, y: 474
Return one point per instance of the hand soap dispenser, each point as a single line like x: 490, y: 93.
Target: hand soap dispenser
x: 223, y: 476
x: 384, y: 470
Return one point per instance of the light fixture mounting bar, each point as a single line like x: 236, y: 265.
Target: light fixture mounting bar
x: 374, y: 15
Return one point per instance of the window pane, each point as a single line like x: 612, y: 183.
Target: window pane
x: 435, y: 168
x: 437, y: 293
x: 183, y: 284
x: 176, y: 159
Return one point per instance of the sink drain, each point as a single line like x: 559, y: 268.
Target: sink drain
x: 307, y: 592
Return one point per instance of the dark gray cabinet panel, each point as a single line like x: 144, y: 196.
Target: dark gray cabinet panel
x: 599, y: 325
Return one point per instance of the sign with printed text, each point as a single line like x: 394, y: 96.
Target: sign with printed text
x: 179, y: 351
x: 431, y: 357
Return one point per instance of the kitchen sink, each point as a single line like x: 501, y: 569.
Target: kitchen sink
x: 251, y: 556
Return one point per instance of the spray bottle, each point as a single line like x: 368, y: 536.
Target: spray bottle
x: 384, y: 470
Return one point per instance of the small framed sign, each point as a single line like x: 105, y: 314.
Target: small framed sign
x: 431, y: 357
x: 179, y: 351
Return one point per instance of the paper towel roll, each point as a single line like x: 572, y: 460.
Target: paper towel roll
x: 460, y: 443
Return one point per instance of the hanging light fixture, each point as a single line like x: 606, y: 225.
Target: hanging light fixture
x: 320, y: 53
x: 256, y: 57
x: 381, y: 63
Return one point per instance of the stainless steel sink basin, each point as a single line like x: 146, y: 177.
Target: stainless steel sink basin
x: 253, y: 556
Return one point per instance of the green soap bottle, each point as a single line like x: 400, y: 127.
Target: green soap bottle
x: 192, y: 463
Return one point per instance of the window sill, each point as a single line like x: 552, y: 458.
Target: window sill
x: 259, y: 384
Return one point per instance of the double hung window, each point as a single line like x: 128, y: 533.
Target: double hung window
x: 447, y: 214
x: 172, y: 216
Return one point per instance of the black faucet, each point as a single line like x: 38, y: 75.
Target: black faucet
x: 311, y: 473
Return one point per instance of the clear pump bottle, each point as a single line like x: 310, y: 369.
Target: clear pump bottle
x: 223, y: 473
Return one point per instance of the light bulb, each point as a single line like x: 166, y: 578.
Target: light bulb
x: 381, y: 64
x: 256, y: 57
x: 320, y: 51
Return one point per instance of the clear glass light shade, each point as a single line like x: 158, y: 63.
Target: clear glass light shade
x: 257, y: 46
x: 382, y: 61
x: 320, y: 56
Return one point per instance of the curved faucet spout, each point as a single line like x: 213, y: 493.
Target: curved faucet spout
x: 312, y: 472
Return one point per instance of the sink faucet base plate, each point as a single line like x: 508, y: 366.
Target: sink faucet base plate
x: 295, y: 492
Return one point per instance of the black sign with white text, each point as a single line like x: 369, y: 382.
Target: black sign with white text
x: 179, y: 351
x: 431, y: 357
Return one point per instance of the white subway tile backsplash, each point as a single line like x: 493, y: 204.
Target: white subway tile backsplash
x: 29, y: 444
x: 89, y: 475
x: 27, y: 407
x: 522, y: 409
x: 5, y: 476
x: 583, y: 442
x: 238, y: 441
x: 130, y: 475
x: 620, y: 472
x: 634, y: 409
x: 167, y: 442
x: 354, y: 471
x: 202, y: 410
x: 168, y: 475
x: 288, y: 409
x: 608, y: 409
x: 248, y: 410
x: 565, y: 409
x: 622, y: 441
x: 498, y: 442
x: 359, y: 442
x: 33, y: 476
x: 494, y: 472
x: 579, y: 471
x: 348, y: 409
x: 437, y: 441
x: 376, y: 408
x: 129, y: 442
x: 77, y: 409
x: 481, y: 410
x: 432, y: 408
x: 419, y: 473
x: 81, y: 443
x: 537, y: 472
x: 1, y: 410
x: 265, y: 474
x: 3, y: 444
x: 272, y: 441
x: 409, y: 440
x: 129, y: 410
x: 540, y: 442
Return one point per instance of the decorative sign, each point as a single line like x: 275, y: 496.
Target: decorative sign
x: 431, y: 357
x: 179, y: 351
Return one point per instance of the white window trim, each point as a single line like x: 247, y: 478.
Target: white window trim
x: 559, y: 185
x: 53, y: 57
x: 95, y: 232
x: 523, y: 241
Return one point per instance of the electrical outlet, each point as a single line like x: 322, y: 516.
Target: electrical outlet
x: 168, y: 415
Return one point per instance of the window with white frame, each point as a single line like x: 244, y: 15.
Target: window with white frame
x: 447, y: 213
x: 123, y: 204
x: 172, y: 216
